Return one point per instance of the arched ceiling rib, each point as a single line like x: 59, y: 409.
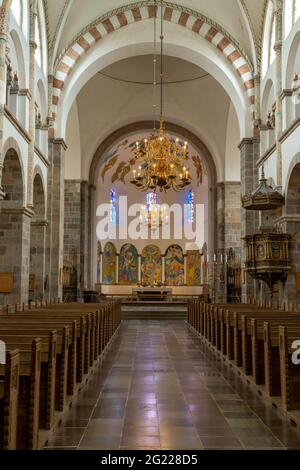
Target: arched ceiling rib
x: 66, y: 18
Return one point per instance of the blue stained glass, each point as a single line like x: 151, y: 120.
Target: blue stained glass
x: 191, y: 205
x: 113, y: 206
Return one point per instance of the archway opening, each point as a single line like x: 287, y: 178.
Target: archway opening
x: 14, y: 231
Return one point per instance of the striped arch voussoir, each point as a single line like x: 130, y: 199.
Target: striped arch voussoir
x: 142, y: 11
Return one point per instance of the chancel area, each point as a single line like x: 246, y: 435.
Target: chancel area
x: 149, y: 225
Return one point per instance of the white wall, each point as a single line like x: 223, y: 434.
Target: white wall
x: 232, y: 153
x: 73, y: 153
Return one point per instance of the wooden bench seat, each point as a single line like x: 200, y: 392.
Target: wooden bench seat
x: 30, y: 355
x: 67, y: 340
x: 9, y: 389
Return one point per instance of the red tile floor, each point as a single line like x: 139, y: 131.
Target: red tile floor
x: 160, y: 387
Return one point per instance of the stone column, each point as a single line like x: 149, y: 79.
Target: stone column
x: 72, y: 226
x: 250, y: 151
x: 15, y: 250
x: 84, y: 235
x: 37, y: 256
x: 139, y: 268
x: 91, y: 228
x: 32, y: 85
x: 55, y: 245
x: 117, y: 268
x: 3, y: 42
x: 229, y: 229
x: 278, y: 87
x: 185, y: 269
x: 163, y: 276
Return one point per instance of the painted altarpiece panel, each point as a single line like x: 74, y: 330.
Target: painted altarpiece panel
x: 128, y: 265
x: 109, y: 264
x: 174, y: 266
x: 151, y: 266
x: 193, y: 268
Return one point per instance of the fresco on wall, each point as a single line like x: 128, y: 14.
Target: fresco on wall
x: 193, y: 268
x: 128, y: 265
x: 109, y: 264
x: 151, y: 266
x: 174, y: 266
x: 99, y: 250
x: 118, y: 162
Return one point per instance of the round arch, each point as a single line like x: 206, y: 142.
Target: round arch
x: 137, y: 40
x: 42, y: 102
x: 148, y: 125
x: 193, y: 22
x: 9, y: 144
x: 293, y: 164
x: 266, y: 96
x: 288, y: 66
x: 174, y: 129
x: 19, y: 50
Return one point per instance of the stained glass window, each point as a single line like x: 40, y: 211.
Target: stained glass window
x: 191, y: 205
x: 151, y: 202
x: 113, y: 206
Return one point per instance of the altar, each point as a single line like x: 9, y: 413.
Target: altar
x: 152, y: 293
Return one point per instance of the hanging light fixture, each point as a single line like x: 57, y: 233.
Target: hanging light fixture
x: 154, y: 215
x: 161, y: 161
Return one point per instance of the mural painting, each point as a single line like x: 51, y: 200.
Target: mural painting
x: 174, y: 266
x: 128, y: 265
x: 109, y: 264
x: 118, y: 162
x: 151, y: 266
x: 193, y: 268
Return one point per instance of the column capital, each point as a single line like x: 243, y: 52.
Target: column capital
x: 60, y: 141
x: 248, y: 141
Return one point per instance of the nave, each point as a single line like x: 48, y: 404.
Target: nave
x: 160, y: 387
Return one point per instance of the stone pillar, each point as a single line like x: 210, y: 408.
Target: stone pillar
x: 55, y: 242
x: 84, y: 235
x: 229, y: 229
x: 37, y: 256
x: 278, y: 87
x: 72, y: 226
x: 185, y: 269
x: 163, y: 275
x: 32, y: 85
x: 250, y: 150
x: 139, y: 268
x: 91, y: 228
x: 3, y: 43
x: 117, y: 268
x: 14, y: 250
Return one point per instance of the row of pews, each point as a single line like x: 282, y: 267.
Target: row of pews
x: 51, y: 350
x: 258, y: 340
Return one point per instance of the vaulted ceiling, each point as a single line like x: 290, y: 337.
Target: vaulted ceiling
x: 242, y: 19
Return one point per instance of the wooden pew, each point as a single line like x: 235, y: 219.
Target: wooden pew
x: 262, y: 368
x: 20, y: 328
x: 29, y: 392
x: 289, y: 372
x: 9, y: 388
x: 62, y: 354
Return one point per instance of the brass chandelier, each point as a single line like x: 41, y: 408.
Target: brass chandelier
x: 161, y: 161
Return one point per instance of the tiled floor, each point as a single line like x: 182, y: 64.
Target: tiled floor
x: 159, y: 387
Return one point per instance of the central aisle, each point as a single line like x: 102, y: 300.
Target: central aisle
x: 159, y: 387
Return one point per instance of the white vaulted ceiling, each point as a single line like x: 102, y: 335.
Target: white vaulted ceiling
x: 242, y: 19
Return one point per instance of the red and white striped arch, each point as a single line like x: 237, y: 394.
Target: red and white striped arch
x: 193, y: 21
